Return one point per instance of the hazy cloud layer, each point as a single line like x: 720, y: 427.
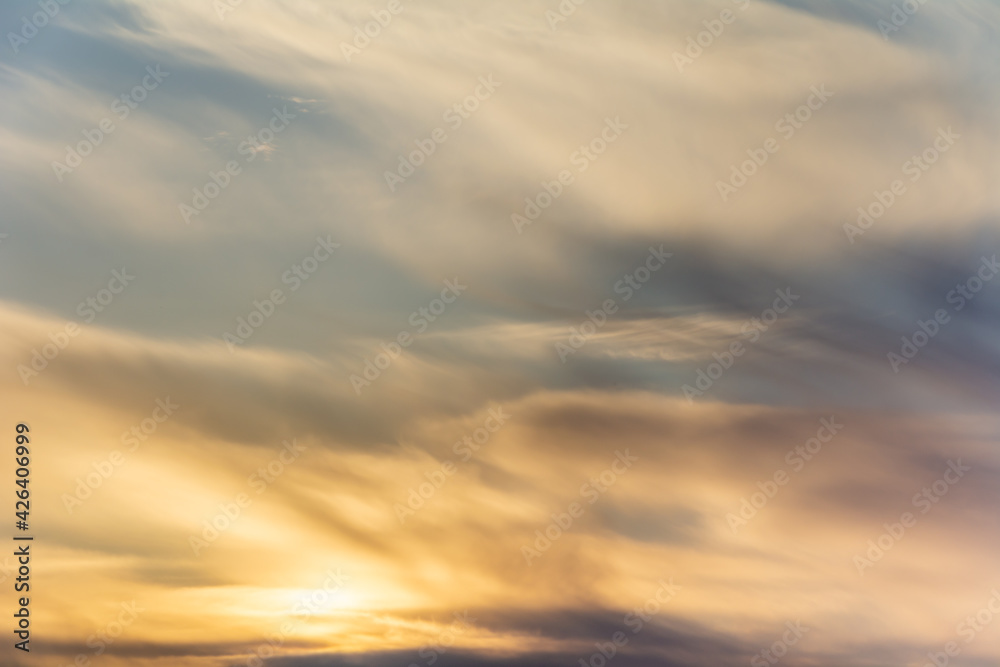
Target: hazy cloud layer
x: 583, y: 297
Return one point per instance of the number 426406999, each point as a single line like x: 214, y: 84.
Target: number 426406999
x: 23, y: 460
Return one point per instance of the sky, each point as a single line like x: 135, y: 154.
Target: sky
x: 530, y: 333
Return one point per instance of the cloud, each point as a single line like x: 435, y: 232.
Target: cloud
x: 371, y: 452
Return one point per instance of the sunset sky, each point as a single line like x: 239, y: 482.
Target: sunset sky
x: 468, y: 334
